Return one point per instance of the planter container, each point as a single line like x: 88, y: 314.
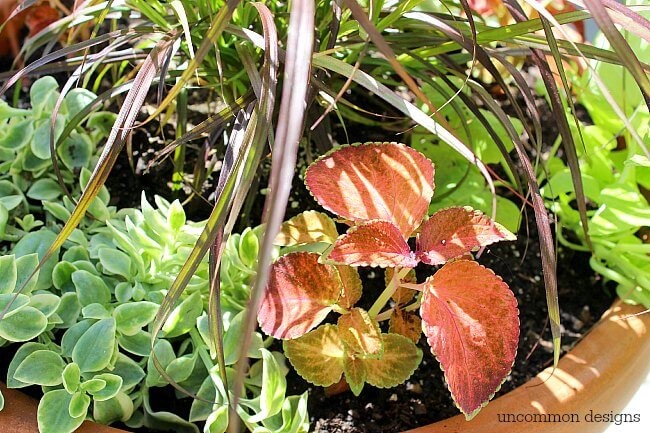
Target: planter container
x: 594, y: 380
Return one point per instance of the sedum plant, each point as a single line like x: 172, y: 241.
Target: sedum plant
x: 84, y: 325
x: 468, y: 315
x: 26, y: 170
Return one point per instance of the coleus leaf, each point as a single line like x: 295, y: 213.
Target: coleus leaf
x: 402, y: 294
x: 452, y: 232
x: 318, y: 355
x: 298, y: 296
x: 351, y: 286
x: 373, y: 243
x: 470, y: 318
x: 356, y: 372
x: 401, y: 358
x: 406, y: 323
x: 305, y: 228
x: 360, y: 333
x: 374, y: 181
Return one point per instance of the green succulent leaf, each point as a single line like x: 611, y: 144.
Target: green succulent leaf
x: 77, y: 99
x: 183, y: 317
x: 138, y: 343
x: 23, y: 325
x: 53, y: 414
x: 233, y: 337
x: 79, y: 404
x: 164, y: 353
x: 25, y: 265
x: 71, y: 376
x: 95, y: 311
x: 44, y: 189
x: 76, y: 151
x: 46, y: 303
x: 118, y: 408
x: 18, y: 135
x: 115, y: 262
x: 43, y: 94
x: 42, y: 367
x: 112, y: 387
x: 131, y: 317
x: 8, y: 274
x: 93, y: 385
x: 129, y: 370
x: 94, y: 348
x: 273, y: 390
x: 12, y: 302
x: 318, y: 355
x: 90, y: 288
x: 181, y: 368
x: 72, y: 335
x: 176, y: 216
x: 23, y: 352
x: 37, y: 242
x: 68, y: 310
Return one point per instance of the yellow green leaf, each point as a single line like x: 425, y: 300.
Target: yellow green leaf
x: 306, y: 228
x: 318, y: 355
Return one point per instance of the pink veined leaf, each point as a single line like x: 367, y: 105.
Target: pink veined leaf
x: 470, y: 318
x: 452, y: 232
x: 385, y: 181
x: 374, y: 243
x: 299, y: 294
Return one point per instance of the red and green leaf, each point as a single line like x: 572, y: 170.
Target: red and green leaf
x: 406, y: 323
x: 373, y: 243
x: 452, y: 232
x: 351, y: 286
x: 374, y: 181
x: 306, y: 228
x: 355, y: 372
x: 318, y: 355
x: 360, y: 334
x: 401, y: 358
x: 300, y: 293
x: 470, y: 318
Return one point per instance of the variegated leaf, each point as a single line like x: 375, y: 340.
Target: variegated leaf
x: 373, y: 243
x: 452, y: 232
x: 470, y: 318
x: 386, y: 181
x: 300, y: 293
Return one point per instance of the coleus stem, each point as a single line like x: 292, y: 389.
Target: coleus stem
x: 385, y: 296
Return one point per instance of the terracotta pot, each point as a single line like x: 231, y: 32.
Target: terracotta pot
x: 599, y: 376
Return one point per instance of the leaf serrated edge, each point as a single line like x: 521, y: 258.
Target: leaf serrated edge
x: 469, y: 416
x: 284, y: 342
x: 418, y: 351
x: 359, y: 144
x: 325, y: 256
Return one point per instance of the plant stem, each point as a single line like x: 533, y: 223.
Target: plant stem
x: 383, y: 299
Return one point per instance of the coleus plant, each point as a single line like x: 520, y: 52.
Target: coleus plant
x: 467, y: 313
